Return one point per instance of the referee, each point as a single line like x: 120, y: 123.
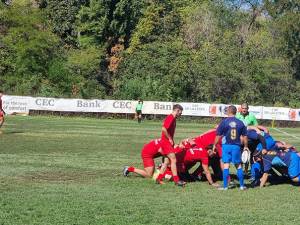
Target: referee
x: 247, y: 117
x: 138, y: 111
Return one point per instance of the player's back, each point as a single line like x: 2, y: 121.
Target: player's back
x: 152, y: 147
x: 232, y: 129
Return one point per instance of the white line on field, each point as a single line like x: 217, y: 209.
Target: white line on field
x: 286, y: 133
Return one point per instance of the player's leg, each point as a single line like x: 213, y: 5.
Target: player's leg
x: 226, y: 159
x: 172, y: 159
x: 294, y: 168
x: 1, y: 121
x: 256, y: 174
x: 147, y: 172
x: 214, y: 163
x: 162, y: 170
x: 236, y: 159
x: 140, y: 117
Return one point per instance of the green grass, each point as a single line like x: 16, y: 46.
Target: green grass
x: 68, y: 171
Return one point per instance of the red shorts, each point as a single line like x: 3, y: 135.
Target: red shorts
x: 148, y: 160
x: 167, y: 148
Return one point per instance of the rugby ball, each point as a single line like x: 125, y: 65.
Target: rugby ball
x: 246, y: 156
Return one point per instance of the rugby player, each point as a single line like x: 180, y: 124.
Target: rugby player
x: 205, y: 140
x: 232, y: 129
x: 284, y: 158
x: 167, y: 144
x: 149, y: 152
x: 188, y: 158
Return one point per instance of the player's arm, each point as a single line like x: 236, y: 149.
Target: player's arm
x: 262, y: 140
x: 216, y: 142
x: 208, y: 176
x: 220, y: 133
x: 245, y: 142
x: 254, y: 128
x: 166, y: 133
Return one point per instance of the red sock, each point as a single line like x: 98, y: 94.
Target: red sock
x: 176, y: 179
x: 160, y: 177
x: 131, y: 169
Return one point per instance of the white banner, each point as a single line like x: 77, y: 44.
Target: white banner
x: 16, y: 104
x: 22, y: 105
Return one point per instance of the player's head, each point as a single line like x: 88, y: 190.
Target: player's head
x: 281, y: 145
x: 1, y: 93
x: 177, y: 110
x: 140, y: 101
x: 231, y: 110
x: 257, y: 156
x: 245, y: 108
x: 210, y: 151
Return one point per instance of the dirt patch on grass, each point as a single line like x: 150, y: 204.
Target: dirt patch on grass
x: 60, y: 176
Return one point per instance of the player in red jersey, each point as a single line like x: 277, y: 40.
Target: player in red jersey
x: 167, y: 142
x: 149, y: 152
x: 1, y: 111
x: 207, y: 139
x: 188, y: 158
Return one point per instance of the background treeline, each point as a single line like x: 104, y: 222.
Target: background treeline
x: 173, y: 50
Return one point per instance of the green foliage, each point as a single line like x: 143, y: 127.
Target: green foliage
x: 62, y: 15
x: 105, y: 22
x: 179, y: 50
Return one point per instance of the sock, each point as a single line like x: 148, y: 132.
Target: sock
x: 160, y: 177
x: 176, y: 179
x: 131, y: 169
x: 225, y: 177
x: 255, y: 171
x: 240, y: 175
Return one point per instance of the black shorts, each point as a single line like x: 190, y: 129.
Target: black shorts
x: 139, y: 112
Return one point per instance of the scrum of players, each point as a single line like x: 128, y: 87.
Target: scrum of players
x: 237, y: 140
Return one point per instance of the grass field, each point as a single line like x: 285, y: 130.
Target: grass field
x: 68, y: 171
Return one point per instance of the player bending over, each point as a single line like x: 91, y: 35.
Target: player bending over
x: 283, y: 158
x: 149, y: 152
x: 167, y: 144
x: 188, y: 158
x: 232, y: 129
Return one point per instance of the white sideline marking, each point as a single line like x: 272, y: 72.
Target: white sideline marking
x: 286, y: 133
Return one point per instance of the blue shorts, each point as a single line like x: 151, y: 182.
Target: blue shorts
x: 231, y: 153
x: 294, y: 167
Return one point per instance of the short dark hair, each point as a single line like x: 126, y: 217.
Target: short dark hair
x: 245, y: 104
x: 1, y: 91
x: 209, y: 147
x: 177, y: 106
x: 231, y: 109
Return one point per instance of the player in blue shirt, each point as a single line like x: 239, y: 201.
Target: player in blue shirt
x: 288, y: 158
x: 254, y: 139
x: 232, y: 129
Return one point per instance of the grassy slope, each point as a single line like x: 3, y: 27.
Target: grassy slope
x: 68, y: 171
